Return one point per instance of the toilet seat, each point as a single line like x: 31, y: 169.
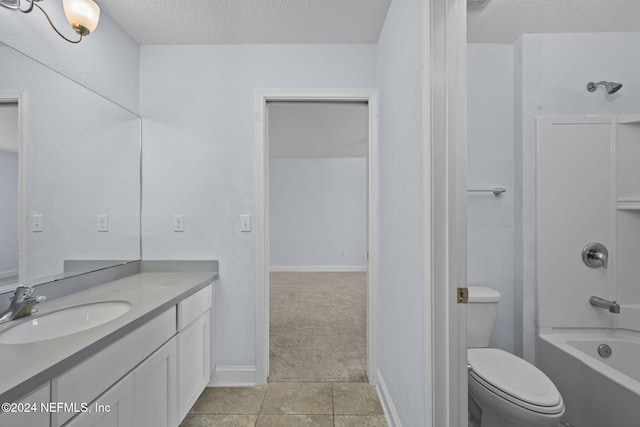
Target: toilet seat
x: 514, y: 380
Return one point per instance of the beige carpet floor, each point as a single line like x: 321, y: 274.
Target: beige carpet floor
x: 317, y: 327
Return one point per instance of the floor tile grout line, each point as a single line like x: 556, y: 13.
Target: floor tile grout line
x: 264, y: 397
x: 333, y: 407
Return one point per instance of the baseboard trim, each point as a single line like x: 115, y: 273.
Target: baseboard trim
x: 387, y: 403
x: 318, y: 268
x: 234, y: 376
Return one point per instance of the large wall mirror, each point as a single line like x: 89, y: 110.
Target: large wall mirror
x: 69, y: 176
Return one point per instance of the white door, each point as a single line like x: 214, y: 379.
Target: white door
x: 445, y: 137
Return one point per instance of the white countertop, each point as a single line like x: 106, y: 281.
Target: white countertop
x: 27, y: 366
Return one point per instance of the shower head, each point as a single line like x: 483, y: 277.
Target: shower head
x: 610, y: 87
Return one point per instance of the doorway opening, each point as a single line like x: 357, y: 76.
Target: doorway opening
x: 12, y: 188
x: 338, y: 259
x: 318, y: 240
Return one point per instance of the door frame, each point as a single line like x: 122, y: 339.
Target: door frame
x: 263, y: 96
x: 445, y: 135
x: 23, y: 223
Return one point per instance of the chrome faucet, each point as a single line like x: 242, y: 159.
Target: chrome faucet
x: 22, y: 303
x: 612, y: 306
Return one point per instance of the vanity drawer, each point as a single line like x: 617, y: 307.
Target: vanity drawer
x: 192, y: 307
x: 87, y: 380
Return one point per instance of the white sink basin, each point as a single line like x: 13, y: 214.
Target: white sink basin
x: 64, y: 322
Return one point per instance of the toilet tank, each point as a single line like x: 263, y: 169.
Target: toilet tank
x: 482, y: 307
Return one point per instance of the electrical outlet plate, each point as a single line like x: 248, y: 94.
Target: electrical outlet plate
x: 103, y: 223
x: 178, y: 223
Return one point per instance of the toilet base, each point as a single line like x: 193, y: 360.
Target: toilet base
x: 491, y: 419
x: 498, y: 413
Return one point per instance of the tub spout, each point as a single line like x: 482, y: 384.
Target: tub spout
x: 612, y: 306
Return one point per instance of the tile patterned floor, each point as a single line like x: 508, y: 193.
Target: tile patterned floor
x: 288, y: 405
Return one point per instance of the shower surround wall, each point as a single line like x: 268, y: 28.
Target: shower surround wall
x: 550, y: 74
x: 575, y: 206
x: 588, y: 190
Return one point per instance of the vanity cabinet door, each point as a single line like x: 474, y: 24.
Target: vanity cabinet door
x: 193, y: 362
x: 155, y: 389
x: 28, y: 412
x: 112, y: 409
x: 91, y: 377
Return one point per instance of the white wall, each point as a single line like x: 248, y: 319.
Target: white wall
x: 198, y: 104
x: 490, y: 219
x: 106, y: 61
x: 401, y: 345
x: 318, y: 210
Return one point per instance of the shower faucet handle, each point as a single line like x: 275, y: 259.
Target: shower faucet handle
x: 595, y: 255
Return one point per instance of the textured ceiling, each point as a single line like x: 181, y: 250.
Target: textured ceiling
x: 248, y: 21
x: 503, y: 21
x: 351, y: 21
x: 318, y: 129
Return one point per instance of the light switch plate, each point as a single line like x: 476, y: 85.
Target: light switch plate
x: 36, y: 224
x: 245, y: 223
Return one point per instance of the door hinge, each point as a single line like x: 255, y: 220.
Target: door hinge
x: 463, y: 295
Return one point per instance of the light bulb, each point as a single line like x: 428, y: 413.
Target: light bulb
x: 83, y: 15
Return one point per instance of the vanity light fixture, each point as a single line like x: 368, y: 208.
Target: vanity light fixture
x: 83, y: 15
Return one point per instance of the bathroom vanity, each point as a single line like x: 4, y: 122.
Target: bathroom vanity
x: 144, y: 367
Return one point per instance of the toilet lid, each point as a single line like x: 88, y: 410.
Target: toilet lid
x: 516, y: 378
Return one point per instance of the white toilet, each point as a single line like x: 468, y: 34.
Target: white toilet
x: 504, y: 390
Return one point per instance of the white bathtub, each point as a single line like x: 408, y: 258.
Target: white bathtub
x: 597, y: 391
